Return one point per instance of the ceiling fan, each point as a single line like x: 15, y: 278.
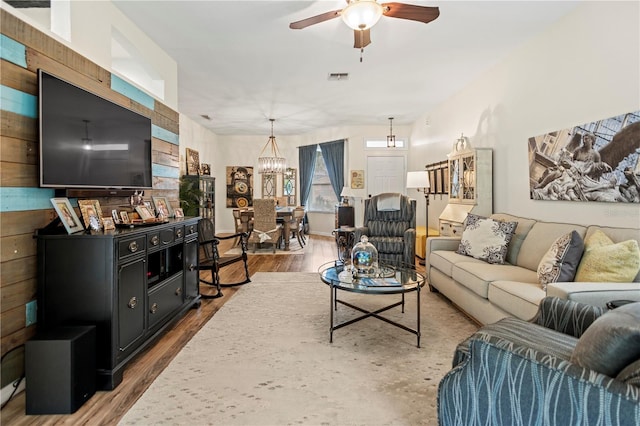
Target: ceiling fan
x: 361, y: 15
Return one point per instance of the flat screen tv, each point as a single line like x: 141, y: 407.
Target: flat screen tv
x: 87, y: 141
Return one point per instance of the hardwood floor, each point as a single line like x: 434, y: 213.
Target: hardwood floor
x: 108, y: 407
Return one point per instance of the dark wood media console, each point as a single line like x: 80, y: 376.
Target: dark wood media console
x: 130, y: 283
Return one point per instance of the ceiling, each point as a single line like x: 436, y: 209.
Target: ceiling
x: 240, y: 64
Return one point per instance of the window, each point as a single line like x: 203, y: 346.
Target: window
x: 382, y: 144
x: 321, y: 197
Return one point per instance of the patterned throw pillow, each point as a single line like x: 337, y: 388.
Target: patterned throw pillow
x: 561, y: 260
x: 486, y: 239
x: 612, y: 342
x: 604, y: 261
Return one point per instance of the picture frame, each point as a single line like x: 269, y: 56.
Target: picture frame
x: 178, y: 213
x: 357, y: 179
x: 115, y: 216
x: 91, y: 214
x: 205, y: 169
x: 193, y: 162
x: 145, y: 213
x: 125, y: 217
x: 67, y: 215
x: 108, y: 223
x: 162, y: 206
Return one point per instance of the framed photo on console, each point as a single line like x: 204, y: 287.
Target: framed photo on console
x: 162, y: 206
x: 91, y: 214
x: 144, y: 212
x: 67, y: 215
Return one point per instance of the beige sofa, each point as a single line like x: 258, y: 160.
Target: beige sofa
x: 490, y: 292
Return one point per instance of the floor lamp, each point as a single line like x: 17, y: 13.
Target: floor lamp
x: 420, y: 181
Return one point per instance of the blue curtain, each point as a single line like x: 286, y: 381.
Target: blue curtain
x: 333, y: 154
x: 307, y: 164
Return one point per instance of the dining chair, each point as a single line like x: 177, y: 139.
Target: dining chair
x: 297, y: 225
x: 265, y: 228
x: 242, y: 222
x: 211, y: 260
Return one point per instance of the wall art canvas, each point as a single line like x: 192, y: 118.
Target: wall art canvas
x: 357, y: 179
x: 193, y: 161
x: 239, y: 186
x: 597, y: 161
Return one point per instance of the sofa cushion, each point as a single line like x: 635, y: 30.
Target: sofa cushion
x: 561, y: 260
x: 540, y: 238
x: 444, y: 260
x: 523, y: 228
x: 476, y: 276
x: 486, y: 239
x: 605, y: 261
x: 520, y: 299
x: 612, y: 342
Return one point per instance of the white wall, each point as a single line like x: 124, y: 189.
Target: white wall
x: 584, y: 68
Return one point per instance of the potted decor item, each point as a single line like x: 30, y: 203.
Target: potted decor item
x: 364, y: 259
x: 190, y: 195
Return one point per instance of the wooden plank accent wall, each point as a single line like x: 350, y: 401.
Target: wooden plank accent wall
x: 24, y: 207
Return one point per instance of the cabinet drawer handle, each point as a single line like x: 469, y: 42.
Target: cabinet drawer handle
x: 192, y: 267
x: 133, y: 302
x: 133, y: 246
x: 154, y: 308
x: 179, y: 233
x: 178, y: 291
x: 155, y: 240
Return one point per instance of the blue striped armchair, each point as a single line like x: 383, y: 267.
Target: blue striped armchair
x: 515, y: 372
x: 390, y: 224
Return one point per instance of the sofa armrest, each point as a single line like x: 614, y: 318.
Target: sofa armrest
x: 596, y: 294
x: 498, y: 386
x: 566, y: 316
x: 440, y: 243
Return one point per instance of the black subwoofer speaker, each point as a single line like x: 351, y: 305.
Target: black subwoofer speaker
x: 60, y: 367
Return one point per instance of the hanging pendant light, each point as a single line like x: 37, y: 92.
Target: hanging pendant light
x: 391, y: 139
x: 274, y: 163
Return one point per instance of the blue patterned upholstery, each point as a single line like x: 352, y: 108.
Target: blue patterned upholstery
x: 515, y: 372
x: 392, y: 232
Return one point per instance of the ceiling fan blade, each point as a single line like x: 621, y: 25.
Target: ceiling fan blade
x: 298, y: 25
x: 361, y: 38
x: 424, y: 14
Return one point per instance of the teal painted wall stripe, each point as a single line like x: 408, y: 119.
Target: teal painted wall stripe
x: 165, y: 135
x: 160, y: 170
x: 14, y: 199
x: 18, y: 102
x: 12, y: 51
x: 132, y: 92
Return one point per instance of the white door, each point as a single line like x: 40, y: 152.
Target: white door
x: 385, y: 174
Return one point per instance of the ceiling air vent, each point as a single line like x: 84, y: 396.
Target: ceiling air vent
x: 338, y: 76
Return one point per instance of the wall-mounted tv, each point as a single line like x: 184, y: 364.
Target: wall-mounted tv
x: 87, y: 141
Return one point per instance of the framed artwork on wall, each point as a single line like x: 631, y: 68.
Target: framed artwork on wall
x: 357, y: 179
x: 193, y: 161
x: 239, y: 186
x: 67, y: 215
x: 596, y: 161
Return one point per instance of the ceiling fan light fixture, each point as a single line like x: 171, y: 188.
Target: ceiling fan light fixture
x: 361, y: 14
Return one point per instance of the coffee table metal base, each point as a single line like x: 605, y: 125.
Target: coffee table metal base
x: 374, y: 314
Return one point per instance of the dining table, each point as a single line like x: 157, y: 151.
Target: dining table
x: 284, y: 215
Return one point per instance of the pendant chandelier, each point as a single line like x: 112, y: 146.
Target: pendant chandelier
x: 391, y: 139
x: 274, y: 163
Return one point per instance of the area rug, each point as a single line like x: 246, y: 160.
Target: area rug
x: 265, y: 359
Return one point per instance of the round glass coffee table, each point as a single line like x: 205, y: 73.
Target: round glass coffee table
x: 391, y: 280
